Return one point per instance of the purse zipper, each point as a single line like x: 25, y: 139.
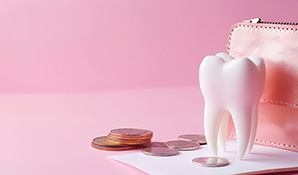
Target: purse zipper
x: 259, y: 21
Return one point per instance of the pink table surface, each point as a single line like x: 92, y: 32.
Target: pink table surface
x: 51, y: 134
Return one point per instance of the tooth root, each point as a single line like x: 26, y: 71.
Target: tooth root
x: 212, y: 116
x: 224, y: 82
x: 242, y: 123
x: 223, y: 131
x: 254, y: 122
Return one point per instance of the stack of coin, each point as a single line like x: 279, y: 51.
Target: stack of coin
x: 130, y: 136
x: 123, y: 139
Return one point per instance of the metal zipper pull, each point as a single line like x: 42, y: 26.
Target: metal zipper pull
x: 258, y: 20
x: 253, y: 20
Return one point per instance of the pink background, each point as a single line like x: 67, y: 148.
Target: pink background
x: 146, y: 51
x: 90, y: 45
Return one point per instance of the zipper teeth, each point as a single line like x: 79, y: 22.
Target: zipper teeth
x: 280, y: 23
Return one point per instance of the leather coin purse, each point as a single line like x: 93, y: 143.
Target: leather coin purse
x: 277, y: 44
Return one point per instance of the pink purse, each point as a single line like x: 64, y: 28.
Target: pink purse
x: 277, y: 43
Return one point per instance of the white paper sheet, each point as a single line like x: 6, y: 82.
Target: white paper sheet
x: 261, y: 158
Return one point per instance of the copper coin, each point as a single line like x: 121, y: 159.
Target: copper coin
x: 128, y: 139
x: 104, y: 144
x: 128, y: 142
x: 160, y: 151
x: 183, y: 145
x: 104, y: 141
x: 120, y: 148
x: 131, y: 132
x: 211, y: 161
x: 136, y: 142
x: 194, y: 138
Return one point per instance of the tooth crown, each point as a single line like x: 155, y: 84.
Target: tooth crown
x: 231, y: 87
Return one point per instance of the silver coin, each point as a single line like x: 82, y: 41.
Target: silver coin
x: 160, y: 151
x: 156, y: 144
x: 194, y: 138
x: 183, y: 145
x: 211, y: 161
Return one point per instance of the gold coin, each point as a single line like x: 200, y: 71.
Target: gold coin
x: 121, y: 148
x: 113, y: 148
x: 128, y: 142
x: 129, y: 138
x: 104, y: 141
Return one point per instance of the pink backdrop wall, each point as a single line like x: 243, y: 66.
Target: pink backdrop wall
x: 76, y: 46
x: 90, y: 45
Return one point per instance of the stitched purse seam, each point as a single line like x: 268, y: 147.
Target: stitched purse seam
x: 275, y: 143
x: 292, y: 105
x: 270, y: 142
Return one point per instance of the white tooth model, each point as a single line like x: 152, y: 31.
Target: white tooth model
x: 231, y: 87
